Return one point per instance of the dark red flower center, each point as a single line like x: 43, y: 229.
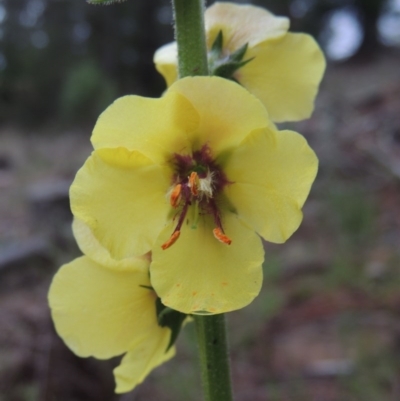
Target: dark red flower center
x: 197, y: 182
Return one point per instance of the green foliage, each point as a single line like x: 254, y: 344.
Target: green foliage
x: 344, y: 272
x: 353, y: 214
x: 375, y: 363
x: 86, y: 92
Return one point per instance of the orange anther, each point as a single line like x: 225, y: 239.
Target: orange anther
x: 171, y: 240
x: 194, y: 183
x: 176, y: 195
x: 220, y: 236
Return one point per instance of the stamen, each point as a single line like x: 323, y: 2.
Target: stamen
x: 175, y: 235
x: 194, y: 183
x: 176, y: 196
x: 220, y: 236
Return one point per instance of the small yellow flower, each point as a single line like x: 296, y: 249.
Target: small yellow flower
x: 282, y: 69
x: 193, y: 177
x: 108, y: 310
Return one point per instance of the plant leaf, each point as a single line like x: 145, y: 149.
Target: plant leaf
x: 170, y: 318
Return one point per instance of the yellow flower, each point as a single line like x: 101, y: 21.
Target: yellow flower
x: 282, y: 69
x: 193, y: 177
x: 108, y: 310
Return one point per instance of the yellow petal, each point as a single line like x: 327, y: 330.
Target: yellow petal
x: 120, y: 196
x: 154, y: 127
x: 145, y: 356
x: 101, y: 312
x: 242, y: 24
x: 228, y: 112
x: 271, y: 175
x: 199, y: 274
x: 284, y: 75
x: 89, y: 246
x: 166, y: 59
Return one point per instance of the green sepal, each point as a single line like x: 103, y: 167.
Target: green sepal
x: 215, y: 54
x: 170, y: 318
x: 216, y: 48
x: 222, y: 66
x: 239, y: 53
x: 104, y: 2
x: 227, y: 69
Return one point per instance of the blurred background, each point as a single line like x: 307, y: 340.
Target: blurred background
x: 326, y: 326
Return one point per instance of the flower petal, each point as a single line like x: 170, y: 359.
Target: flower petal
x: 155, y: 127
x: 145, y: 356
x: 120, y: 195
x: 199, y: 274
x: 272, y: 173
x: 102, y: 312
x: 242, y: 24
x: 166, y: 61
x: 284, y: 75
x: 89, y: 246
x: 228, y: 112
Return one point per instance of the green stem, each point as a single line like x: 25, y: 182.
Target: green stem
x: 190, y: 36
x: 214, y: 358
x: 213, y: 347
